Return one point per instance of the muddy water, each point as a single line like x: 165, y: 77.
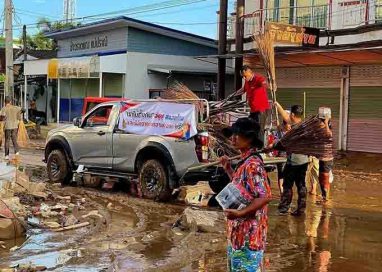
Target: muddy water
x: 344, y: 236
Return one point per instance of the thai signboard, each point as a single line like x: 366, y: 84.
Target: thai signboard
x: 85, y: 67
x: 114, y: 40
x: 291, y: 34
x: 159, y: 118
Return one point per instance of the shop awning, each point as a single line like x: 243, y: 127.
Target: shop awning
x: 321, y: 58
x: 318, y: 57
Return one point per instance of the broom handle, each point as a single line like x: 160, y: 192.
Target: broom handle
x: 277, y: 112
x: 211, y: 164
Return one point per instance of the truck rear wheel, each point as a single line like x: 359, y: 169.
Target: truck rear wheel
x: 153, y: 179
x: 58, y: 167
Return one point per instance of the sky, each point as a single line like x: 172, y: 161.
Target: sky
x: 199, y: 18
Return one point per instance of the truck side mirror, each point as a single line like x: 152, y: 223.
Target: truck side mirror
x: 77, y: 121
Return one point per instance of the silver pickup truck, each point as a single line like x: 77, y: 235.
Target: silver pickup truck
x: 95, y: 142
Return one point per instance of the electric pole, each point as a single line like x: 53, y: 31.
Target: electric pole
x: 25, y: 42
x: 222, y: 48
x: 8, y: 11
x: 239, y: 42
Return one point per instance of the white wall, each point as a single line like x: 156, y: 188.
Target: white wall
x: 113, y: 63
x: 138, y: 81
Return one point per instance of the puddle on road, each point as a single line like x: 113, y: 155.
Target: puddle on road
x: 344, y: 237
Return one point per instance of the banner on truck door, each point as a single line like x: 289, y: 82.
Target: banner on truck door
x: 158, y: 118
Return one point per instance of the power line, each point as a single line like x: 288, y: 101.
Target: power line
x: 176, y: 11
x: 136, y: 10
x: 131, y: 11
x: 35, y: 14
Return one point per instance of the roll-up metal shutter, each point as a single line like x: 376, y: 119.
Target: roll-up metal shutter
x: 315, y: 98
x: 321, y: 86
x: 365, y: 109
x: 309, y: 77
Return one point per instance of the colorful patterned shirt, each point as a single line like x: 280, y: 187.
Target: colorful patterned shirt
x: 250, y: 178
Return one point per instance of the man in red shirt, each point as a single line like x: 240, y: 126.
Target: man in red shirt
x: 255, y: 87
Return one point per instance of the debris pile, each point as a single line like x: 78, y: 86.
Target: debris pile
x: 25, y: 204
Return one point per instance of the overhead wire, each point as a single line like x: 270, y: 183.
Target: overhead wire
x: 131, y: 11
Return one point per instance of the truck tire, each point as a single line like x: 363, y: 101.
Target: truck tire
x: 153, y: 179
x: 58, y: 167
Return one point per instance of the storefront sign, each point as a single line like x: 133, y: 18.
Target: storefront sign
x: 85, y: 67
x: 291, y: 34
x: 159, y: 118
x: 96, y: 42
x: 114, y: 40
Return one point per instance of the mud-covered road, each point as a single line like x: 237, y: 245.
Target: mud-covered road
x: 344, y: 236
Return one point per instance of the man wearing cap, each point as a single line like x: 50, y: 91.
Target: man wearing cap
x: 255, y: 87
x: 247, y: 227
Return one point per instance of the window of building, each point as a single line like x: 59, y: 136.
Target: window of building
x: 378, y: 10
x: 312, y: 13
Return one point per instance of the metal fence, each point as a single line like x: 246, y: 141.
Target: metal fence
x: 329, y: 16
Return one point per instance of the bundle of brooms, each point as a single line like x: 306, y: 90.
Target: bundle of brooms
x: 219, y: 145
x: 309, y: 138
x: 179, y: 91
x: 265, y: 48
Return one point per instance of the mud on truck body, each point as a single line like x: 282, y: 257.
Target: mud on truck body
x: 95, y: 143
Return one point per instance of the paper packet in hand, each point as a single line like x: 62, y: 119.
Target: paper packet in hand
x: 231, y: 198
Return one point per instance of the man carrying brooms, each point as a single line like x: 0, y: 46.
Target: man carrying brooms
x: 295, y: 168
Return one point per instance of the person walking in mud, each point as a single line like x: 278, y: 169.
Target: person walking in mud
x: 326, y: 164
x: 295, y: 168
x: 247, y: 227
x: 11, y: 115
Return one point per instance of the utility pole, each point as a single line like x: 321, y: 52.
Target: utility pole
x: 222, y: 48
x: 8, y: 84
x: 25, y: 76
x: 25, y: 42
x: 239, y: 35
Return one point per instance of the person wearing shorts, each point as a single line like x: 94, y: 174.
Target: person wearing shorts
x: 326, y: 165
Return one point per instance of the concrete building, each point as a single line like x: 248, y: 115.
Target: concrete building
x: 124, y: 57
x: 344, y: 72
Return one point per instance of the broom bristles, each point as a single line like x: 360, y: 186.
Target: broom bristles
x: 309, y: 138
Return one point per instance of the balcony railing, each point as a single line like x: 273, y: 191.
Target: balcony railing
x: 331, y: 16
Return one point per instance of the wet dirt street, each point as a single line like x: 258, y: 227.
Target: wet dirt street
x: 343, y: 236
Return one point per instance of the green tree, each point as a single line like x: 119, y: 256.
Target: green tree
x: 39, y: 40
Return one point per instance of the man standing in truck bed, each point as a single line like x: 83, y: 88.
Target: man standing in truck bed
x: 255, y: 87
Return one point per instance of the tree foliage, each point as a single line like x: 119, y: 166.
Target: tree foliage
x: 39, y: 40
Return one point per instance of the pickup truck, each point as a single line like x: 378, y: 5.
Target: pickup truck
x: 95, y: 142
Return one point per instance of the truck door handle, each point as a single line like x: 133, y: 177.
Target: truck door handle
x: 100, y: 133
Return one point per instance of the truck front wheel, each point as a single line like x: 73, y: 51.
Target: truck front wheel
x: 153, y: 179
x: 58, y: 167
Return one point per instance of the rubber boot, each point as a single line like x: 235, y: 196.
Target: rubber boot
x: 324, y: 185
x: 286, y: 200
x: 301, y: 202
